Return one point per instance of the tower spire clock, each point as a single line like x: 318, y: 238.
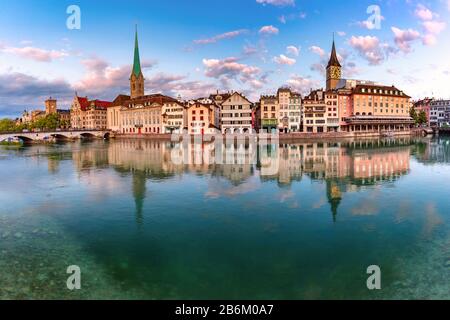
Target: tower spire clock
x: 137, y: 78
x: 334, y: 69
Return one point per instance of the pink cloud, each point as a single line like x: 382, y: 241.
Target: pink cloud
x: 434, y: 27
x: 223, y: 36
x: 278, y: 3
x: 301, y: 84
x: 293, y: 50
x: 37, y: 54
x: 423, y: 13
x: 282, y: 59
x: 229, y: 67
x: 317, y: 50
x: 404, y: 38
x: 369, y: 48
x: 269, y: 30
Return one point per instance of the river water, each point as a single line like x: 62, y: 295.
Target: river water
x: 150, y: 219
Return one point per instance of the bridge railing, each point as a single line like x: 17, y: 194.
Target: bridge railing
x: 52, y: 131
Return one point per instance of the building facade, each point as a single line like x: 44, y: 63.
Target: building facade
x: 174, y: 116
x: 366, y: 107
x: 295, y: 113
x: 236, y: 114
x: 425, y: 106
x: 379, y: 109
x: 439, y: 112
x: 50, y: 106
x: 203, y: 117
x: 334, y: 70
x: 314, y: 112
x: 269, y: 113
x: 88, y: 115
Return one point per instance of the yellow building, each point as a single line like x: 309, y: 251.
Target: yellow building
x: 269, y: 113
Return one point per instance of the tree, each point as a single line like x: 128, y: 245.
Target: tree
x: 422, y: 118
x: 7, y: 125
x: 413, y: 114
x: 49, y: 122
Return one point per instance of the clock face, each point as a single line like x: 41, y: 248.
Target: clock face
x: 335, y: 73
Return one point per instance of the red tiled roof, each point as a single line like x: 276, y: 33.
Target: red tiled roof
x: 150, y: 99
x: 102, y: 104
x: 85, y: 103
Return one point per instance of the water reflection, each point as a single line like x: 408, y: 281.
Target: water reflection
x: 343, y: 166
x: 137, y: 215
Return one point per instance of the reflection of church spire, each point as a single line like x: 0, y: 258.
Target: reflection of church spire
x: 334, y: 196
x: 139, y: 190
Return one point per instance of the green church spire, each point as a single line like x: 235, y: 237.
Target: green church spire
x: 137, y: 61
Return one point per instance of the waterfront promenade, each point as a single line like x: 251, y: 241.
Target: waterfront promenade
x: 42, y: 136
x: 68, y: 135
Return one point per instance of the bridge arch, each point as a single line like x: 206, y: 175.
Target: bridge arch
x: 87, y: 135
x: 59, y: 136
x: 24, y: 139
x: 107, y: 135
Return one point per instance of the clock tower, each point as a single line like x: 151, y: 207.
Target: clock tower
x: 137, y: 78
x: 334, y: 70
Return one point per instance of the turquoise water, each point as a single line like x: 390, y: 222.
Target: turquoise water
x: 143, y: 226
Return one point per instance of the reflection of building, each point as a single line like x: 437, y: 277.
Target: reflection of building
x: 343, y: 166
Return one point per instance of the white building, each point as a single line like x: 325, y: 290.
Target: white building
x: 295, y: 112
x: 174, y: 116
x: 439, y: 112
x: 236, y: 114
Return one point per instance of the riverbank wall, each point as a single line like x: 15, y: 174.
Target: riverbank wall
x: 284, y: 136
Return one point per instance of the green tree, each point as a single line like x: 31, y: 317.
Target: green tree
x: 422, y: 118
x: 7, y: 125
x: 414, y: 115
x: 49, y: 122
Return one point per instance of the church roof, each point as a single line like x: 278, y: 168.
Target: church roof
x: 85, y: 103
x: 137, y: 60
x: 334, y: 61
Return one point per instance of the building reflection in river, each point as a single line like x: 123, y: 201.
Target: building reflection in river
x: 344, y: 166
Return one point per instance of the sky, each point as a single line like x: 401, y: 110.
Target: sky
x: 193, y: 48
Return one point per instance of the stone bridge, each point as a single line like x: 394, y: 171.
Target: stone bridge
x: 55, y: 135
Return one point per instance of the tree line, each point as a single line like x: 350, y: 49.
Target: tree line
x: 49, y: 122
x: 419, y: 117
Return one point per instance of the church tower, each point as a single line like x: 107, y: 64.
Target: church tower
x: 334, y: 70
x: 136, y: 78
